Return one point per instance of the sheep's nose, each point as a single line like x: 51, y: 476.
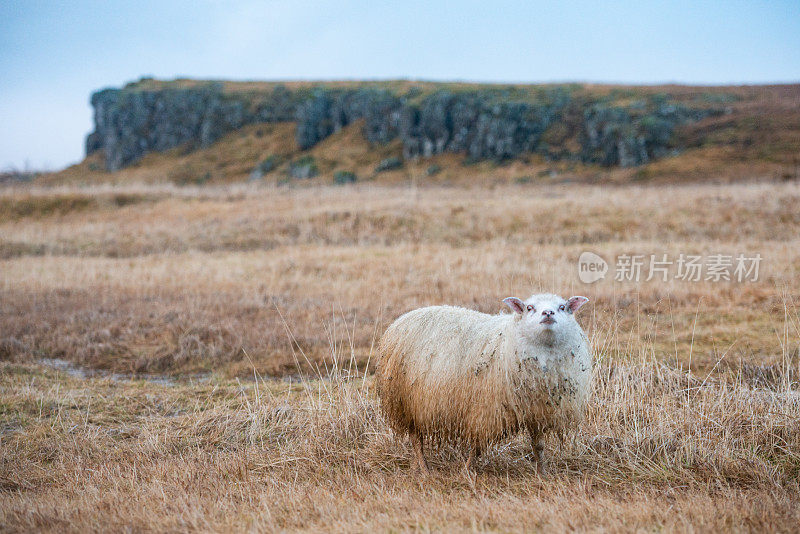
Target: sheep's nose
x: 548, y: 313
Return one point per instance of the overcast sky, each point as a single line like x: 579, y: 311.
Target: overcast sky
x: 54, y: 54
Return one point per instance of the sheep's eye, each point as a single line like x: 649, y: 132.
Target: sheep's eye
x: 562, y: 308
x: 530, y: 308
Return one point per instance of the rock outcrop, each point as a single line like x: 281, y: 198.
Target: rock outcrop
x: 496, y: 123
x: 131, y: 122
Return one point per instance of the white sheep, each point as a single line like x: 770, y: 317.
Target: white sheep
x: 461, y: 376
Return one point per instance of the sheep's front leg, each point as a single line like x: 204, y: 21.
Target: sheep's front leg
x: 537, y: 442
x: 416, y: 441
x: 474, y: 454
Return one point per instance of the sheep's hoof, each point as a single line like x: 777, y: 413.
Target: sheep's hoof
x: 538, y: 461
x: 471, y: 476
x: 541, y: 468
x: 422, y: 468
x: 474, y: 454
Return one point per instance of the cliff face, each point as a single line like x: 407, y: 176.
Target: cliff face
x: 484, y: 123
x: 130, y: 123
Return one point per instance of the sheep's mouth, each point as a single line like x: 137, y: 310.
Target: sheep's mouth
x: 547, y: 320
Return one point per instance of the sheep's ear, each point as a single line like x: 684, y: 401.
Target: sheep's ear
x: 576, y: 302
x: 516, y: 305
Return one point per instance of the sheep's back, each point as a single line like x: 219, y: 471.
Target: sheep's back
x: 441, y: 372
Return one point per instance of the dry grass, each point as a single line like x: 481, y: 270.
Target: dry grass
x: 659, y: 449
x: 695, y: 423
x: 188, y: 280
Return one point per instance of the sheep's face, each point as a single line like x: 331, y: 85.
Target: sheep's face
x: 546, y: 315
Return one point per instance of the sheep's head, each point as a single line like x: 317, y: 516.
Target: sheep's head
x: 546, y: 316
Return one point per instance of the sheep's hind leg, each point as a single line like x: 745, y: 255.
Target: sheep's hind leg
x: 416, y: 441
x: 537, y: 442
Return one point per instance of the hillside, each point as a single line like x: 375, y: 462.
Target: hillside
x: 191, y: 131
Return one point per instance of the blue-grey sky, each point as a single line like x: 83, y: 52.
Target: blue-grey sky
x: 54, y: 54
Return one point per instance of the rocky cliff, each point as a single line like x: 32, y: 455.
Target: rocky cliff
x: 482, y: 122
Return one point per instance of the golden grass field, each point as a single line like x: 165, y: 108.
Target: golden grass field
x: 199, y: 358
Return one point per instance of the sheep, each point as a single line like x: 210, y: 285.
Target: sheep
x: 449, y: 374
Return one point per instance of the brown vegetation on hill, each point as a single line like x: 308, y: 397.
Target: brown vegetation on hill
x: 757, y: 137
